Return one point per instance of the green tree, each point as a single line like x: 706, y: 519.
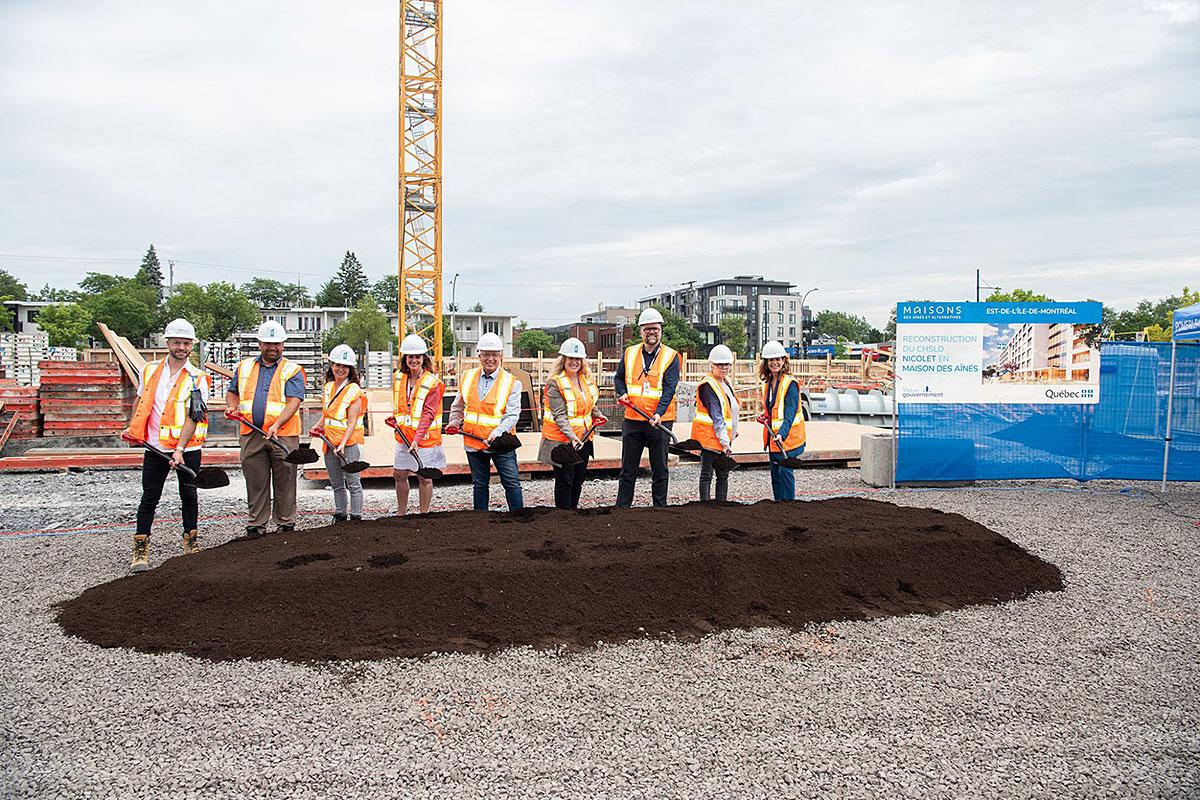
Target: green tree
x: 127, y: 306
x: 270, y: 293
x: 100, y: 282
x: 366, y: 324
x: 1157, y: 333
x: 49, y: 294
x: 533, y: 341
x: 330, y: 295
x: 1017, y: 296
x: 477, y: 308
x: 11, y: 287
x: 216, y: 310
x: 387, y: 291
x: 678, y: 333
x: 66, y: 323
x: 150, y: 274
x: 449, y: 341
x: 1148, y: 313
x: 839, y: 347
x: 733, y: 333
x: 840, y: 324
x: 6, y: 316
x: 352, y: 279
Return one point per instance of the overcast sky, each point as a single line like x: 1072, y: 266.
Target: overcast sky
x: 600, y: 152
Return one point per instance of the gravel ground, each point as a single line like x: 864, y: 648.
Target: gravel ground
x: 1090, y: 692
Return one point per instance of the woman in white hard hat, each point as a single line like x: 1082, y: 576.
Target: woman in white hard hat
x: 715, y: 425
x: 782, y: 418
x: 417, y: 408
x: 569, y: 413
x: 344, y: 406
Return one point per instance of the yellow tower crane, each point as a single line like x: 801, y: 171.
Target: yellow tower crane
x: 420, y: 197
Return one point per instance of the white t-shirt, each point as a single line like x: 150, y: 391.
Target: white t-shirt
x: 160, y: 404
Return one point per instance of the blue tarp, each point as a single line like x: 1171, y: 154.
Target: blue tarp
x: 1185, y: 323
x: 1121, y: 437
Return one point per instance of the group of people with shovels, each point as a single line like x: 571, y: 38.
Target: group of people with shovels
x: 266, y: 391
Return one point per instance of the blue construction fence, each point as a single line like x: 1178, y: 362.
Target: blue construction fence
x: 1121, y: 437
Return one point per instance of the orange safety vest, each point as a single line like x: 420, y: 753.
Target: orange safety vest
x: 175, y: 413
x: 480, y: 417
x: 579, y: 408
x: 336, y: 413
x: 408, y: 417
x: 702, y: 424
x: 247, y: 381
x: 645, y: 388
x: 795, y: 436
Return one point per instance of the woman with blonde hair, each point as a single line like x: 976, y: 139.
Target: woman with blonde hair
x: 417, y: 416
x: 782, y: 418
x: 568, y: 415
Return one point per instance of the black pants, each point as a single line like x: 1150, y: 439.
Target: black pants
x: 707, y: 468
x: 568, y: 481
x: 636, y: 436
x: 155, y: 469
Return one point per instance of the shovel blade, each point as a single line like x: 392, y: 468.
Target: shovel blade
x: 355, y: 466
x: 211, y: 478
x: 302, y: 455
x: 505, y: 443
x: 429, y: 473
x: 565, y: 454
x: 689, y: 444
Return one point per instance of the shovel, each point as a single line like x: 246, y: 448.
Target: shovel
x: 347, y: 466
x: 690, y: 446
x: 786, y: 461
x: 206, y: 478
x: 431, y: 473
x: 301, y: 455
x: 567, y: 455
x: 504, y: 443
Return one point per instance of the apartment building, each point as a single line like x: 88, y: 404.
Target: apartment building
x: 468, y: 326
x: 1051, y: 353
x: 742, y: 295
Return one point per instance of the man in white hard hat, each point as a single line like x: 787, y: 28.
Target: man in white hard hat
x: 268, y: 391
x: 646, y: 377
x: 171, y: 417
x: 488, y: 405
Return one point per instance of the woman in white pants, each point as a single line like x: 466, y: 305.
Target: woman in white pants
x: 417, y: 408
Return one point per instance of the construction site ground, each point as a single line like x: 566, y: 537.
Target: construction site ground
x: 1089, y: 691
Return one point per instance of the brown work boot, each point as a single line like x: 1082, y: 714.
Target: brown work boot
x: 191, y: 542
x: 141, y: 554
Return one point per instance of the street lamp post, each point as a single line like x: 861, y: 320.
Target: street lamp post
x: 454, y: 308
x: 803, y: 350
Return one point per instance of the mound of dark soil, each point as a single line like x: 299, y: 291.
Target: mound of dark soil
x: 474, y: 581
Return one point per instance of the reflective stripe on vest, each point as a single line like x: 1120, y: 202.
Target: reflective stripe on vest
x: 336, y: 413
x: 247, y: 376
x: 795, y: 436
x: 579, y: 409
x: 645, y: 388
x: 480, y: 417
x: 702, y: 424
x: 175, y: 411
x: 408, y: 417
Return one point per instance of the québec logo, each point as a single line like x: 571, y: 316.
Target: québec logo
x: 1070, y: 394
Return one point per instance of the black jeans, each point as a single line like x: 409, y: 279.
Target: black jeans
x: 707, y: 468
x: 568, y: 481
x: 636, y: 436
x: 155, y: 469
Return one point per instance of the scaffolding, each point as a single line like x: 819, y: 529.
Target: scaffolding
x: 420, y: 191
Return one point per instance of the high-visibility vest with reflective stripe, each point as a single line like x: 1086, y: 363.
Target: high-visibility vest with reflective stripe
x: 408, y: 416
x: 480, y: 417
x: 795, y: 436
x: 579, y: 407
x: 336, y: 412
x: 247, y: 382
x: 175, y: 413
x: 702, y: 424
x: 645, y: 388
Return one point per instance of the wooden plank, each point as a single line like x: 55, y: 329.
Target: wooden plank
x: 12, y: 423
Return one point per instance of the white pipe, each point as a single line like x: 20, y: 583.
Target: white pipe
x: 1170, y: 401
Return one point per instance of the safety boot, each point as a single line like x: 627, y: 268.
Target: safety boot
x: 340, y: 518
x: 254, y: 531
x: 141, y: 554
x: 191, y: 542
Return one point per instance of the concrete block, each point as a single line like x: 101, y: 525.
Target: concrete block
x: 875, y: 458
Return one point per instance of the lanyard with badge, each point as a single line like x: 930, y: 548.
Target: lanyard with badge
x: 644, y: 377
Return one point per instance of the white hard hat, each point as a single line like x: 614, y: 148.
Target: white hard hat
x: 720, y: 355
x: 490, y: 341
x: 572, y: 348
x: 650, y: 317
x: 343, y: 354
x: 180, y: 329
x: 413, y: 345
x: 271, y: 331
x: 773, y: 349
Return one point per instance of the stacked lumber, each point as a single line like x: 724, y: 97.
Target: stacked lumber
x: 21, y: 401
x: 84, y: 398
x: 20, y: 354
